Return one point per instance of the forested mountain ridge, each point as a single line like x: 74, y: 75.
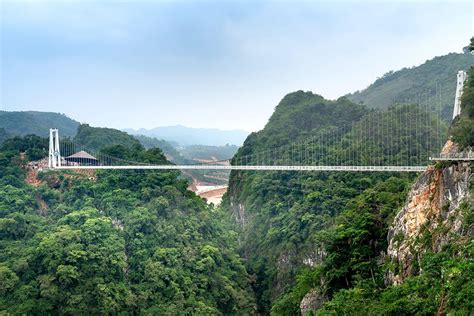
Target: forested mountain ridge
x: 100, y: 137
x: 301, y: 113
x: 168, y: 149
x: 432, y: 82
x: 37, y: 123
x: 112, y: 242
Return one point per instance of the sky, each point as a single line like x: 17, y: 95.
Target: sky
x: 220, y: 64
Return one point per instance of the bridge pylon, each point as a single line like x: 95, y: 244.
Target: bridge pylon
x: 462, y: 76
x: 54, y: 158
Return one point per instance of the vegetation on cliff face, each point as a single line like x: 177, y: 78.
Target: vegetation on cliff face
x: 350, y: 243
x: 439, y: 256
x: 112, y: 242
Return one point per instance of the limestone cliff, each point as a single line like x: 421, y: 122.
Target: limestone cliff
x: 431, y: 217
x: 311, y: 302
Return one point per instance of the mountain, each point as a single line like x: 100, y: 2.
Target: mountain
x: 100, y: 137
x: 308, y: 237
x: 193, y: 136
x: 38, y: 123
x: 168, y: 149
x: 433, y: 82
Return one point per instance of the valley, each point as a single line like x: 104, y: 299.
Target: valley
x: 340, y: 202
x: 272, y: 242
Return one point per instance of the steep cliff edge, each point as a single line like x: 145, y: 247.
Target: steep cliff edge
x: 432, y: 217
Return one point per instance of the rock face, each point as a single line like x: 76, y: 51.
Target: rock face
x: 431, y: 211
x: 239, y: 212
x: 312, y: 301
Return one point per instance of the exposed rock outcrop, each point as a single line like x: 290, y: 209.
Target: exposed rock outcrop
x: 431, y: 211
x: 315, y: 256
x: 312, y: 301
x: 239, y: 213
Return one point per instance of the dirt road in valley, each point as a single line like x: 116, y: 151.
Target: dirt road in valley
x: 212, y: 193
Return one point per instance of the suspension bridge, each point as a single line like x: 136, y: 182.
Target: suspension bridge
x: 402, y: 138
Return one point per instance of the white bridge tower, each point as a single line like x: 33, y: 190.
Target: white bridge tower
x: 54, y: 158
x: 462, y: 76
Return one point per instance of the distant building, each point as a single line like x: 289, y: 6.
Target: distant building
x: 82, y: 157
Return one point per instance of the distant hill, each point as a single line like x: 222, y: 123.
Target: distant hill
x: 99, y: 137
x: 186, y: 136
x: 172, y: 154
x: 209, y: 152
x: 38, y: 123
x: 417, y: 84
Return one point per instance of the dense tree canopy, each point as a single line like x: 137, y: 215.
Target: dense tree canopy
x: 116, y: 242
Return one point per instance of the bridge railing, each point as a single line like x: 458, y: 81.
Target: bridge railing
x: 463, y: 156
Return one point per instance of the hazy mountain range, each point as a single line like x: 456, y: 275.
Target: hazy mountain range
x: 186, y: 136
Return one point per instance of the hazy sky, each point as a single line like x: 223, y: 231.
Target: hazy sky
x: 223, y: 64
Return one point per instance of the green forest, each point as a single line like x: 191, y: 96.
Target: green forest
x: 133, y: 243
